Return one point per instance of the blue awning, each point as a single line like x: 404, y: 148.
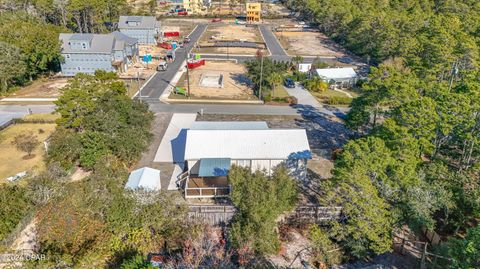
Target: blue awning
x: 214, y: 167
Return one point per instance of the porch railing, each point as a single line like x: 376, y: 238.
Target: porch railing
x: 207, y: 192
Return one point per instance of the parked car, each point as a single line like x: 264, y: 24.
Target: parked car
x: 289, y: 83
x: 162, y: 66
x: 345, y: 60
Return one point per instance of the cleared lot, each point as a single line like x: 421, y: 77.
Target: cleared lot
x: 222, y: 32
x: 309, y: 44
x: 236, y: 85
x: 41, y: 88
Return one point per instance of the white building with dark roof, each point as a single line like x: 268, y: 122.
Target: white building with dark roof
x: 146, y: 29
x: 87, y: 53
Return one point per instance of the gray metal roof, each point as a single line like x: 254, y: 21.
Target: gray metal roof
x: 145, y: 22
x: 99, y: 43
x: 229, y: 125
x: 82, y: 37
x: 123, y: 37
x: 144, y: 178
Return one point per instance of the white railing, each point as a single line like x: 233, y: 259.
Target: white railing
x: 207, y: 192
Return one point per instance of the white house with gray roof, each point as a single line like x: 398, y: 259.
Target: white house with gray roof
x: 146, y: 29
x: 211, y: 148
x: 87, y: 53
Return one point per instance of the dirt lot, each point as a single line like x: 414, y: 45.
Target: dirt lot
x: 184, y: 26
x: 230, y: 32
x: 11, y: 159
x: 309, y: 44
x: 41, y: 88
x: 235, y: 86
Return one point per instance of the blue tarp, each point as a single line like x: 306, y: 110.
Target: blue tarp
x: 214, y: 167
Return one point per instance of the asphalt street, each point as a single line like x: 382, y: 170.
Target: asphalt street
x: 160, y: 81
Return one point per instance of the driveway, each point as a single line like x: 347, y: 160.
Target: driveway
x: 172, y: 146
x: 308, y: 104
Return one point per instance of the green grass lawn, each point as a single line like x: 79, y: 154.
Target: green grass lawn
x: 11, y: 159
x: 280, y: 92
x: 324, y: 96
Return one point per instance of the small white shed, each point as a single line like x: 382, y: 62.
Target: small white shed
x: 145, y: 178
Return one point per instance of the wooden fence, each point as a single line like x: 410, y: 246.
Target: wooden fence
x: 212, y: 214
x: 223, y: 214
x: 418, y: 251
x: 313, y: 213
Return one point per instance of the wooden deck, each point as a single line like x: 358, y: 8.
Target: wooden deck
x: 207, y: 187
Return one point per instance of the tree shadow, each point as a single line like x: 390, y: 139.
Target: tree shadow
x: 241, y: 79
x: 323, y: 131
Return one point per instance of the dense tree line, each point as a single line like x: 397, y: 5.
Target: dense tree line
x: 81, y: 16
x: 417, y: 161
x: 28, y: 48
x: 429, y: 34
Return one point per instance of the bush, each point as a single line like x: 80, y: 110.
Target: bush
x: 260, y: 199
x: 337, y: 100
x: 15, y: 204
x: 292, y: 100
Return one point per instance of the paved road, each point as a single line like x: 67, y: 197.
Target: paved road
x: 9, y: 112
x: 272, y: 42
x: 223, y: 109
x: 160, y: 81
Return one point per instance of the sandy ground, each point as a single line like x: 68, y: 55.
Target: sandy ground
x: 309, y: 44
x: 41, y: 88
x: 293, y: 251
x: 11, y: 161
x: 184, y: 26
x: 140, y: 69
x: 231, y: 32
x: 224, y: 31
x: 236, y: 84
x: 27, y: 240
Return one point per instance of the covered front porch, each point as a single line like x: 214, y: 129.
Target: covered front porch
x: 211, y: 180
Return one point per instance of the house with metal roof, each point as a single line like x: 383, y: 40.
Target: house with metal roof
x: 87, y: 53
x: 338, y: 76
x: 146, y: 29
x: 211, y: 149
x: 145, y: 178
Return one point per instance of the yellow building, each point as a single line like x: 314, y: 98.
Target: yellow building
x: 254, y: 11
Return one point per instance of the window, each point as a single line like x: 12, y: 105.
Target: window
x: 67, y: 56
x: 243, y: 163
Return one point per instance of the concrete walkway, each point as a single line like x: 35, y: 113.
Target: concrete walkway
x: 172, y: 147
x: 306, y: 99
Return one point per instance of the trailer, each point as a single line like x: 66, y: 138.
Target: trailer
x: 191, y: 64
x: 171, y: 34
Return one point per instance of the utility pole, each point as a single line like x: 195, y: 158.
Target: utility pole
x: 188, y: 81
x: 261, y: 77
x: 139, y: 88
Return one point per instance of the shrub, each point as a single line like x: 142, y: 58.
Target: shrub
x: 260, y: 199
x: 15, y: 204
x: 337, y: 100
